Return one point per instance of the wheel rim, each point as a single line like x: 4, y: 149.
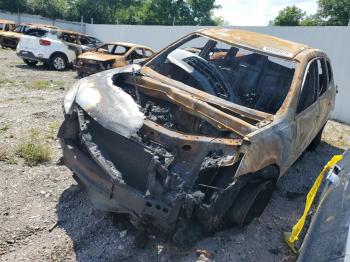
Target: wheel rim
x: 59, y: 63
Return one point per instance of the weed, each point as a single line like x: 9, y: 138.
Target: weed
x: 5, y: 157
x: 4, y: 128
x: 33, y: 150
x: 44, y: 85
x: 53, y: 130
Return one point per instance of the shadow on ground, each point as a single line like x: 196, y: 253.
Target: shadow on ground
x: 101, y: 236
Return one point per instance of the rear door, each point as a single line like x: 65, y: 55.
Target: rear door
x: 307, y: 112
x: 326, y: 89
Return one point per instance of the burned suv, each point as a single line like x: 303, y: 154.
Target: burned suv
x: 199, y: 134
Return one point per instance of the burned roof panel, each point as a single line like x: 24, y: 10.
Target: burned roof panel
x: 4, y: 21
x: 256, y: 41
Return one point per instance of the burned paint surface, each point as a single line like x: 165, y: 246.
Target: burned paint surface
x: 108, y: 56
x: 204, y: 156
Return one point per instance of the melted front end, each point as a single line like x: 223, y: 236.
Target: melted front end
x: 157, y: 154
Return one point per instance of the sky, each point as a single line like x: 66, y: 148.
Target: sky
x: 258, y: 12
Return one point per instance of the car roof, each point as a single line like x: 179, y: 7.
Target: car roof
x: 40, y: 25
x: 128, y: 44
x: 255, y: 41
x: 70, y: 32
x: 4, y: 21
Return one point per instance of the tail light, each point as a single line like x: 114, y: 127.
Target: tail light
x: 44, y: 42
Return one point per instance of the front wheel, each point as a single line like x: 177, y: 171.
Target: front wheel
x: 30, y: 62
x: 58, y: 62
x: 250, y: 202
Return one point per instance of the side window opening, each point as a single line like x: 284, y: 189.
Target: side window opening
x: 70, y: 38
x: 120, y: 50
x: 83, y: 40
x: 322, y: 76
x: 36, y: 32
x: 309, y: 90
x: 148, y: 53
x: 329, y: 71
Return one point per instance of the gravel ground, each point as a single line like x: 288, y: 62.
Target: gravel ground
x: 45, y: 216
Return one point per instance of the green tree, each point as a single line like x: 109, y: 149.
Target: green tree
x: 334, y: 12
x: 53, y: 8
x: 289, y: 16
x: 202, y: 11
x: 311, y: 20
x: 13, y: 5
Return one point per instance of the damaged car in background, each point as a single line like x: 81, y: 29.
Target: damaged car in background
x: 10, y: 39
x: 111, y: 55
x: 198, y: 135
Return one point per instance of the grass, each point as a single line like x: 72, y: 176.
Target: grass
x: 53, y: 130
x: 5, y: 82
x: 45, y: 84
x: 4, y: 128
x: 33, y: 150
x: 5, y: 157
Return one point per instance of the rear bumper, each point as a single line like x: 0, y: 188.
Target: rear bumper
x: 30, y: 56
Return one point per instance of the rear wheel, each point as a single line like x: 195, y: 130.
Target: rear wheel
x: 58, y: 62
x: 30, y: 62
x: 250, y: 202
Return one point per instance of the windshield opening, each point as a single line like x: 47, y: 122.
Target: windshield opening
x: 244, y: 77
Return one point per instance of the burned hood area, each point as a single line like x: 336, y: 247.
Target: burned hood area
x: 164, y: 142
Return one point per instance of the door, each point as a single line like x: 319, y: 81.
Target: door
x: 307, y: 113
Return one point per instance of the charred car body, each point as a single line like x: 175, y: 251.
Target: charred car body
x: 200, y: 133
x: 10, y: 39
x: 111, y: 55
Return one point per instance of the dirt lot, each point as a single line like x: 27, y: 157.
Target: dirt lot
x: 34, y: 199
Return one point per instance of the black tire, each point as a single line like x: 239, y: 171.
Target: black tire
x: 58, y: 62
x: 80, y: 74
x: 250, y: 203
x: 316, y: 141
x: 30, y: 62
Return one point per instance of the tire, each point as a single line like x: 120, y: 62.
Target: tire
x: 30, y: 62
x: 58, y: 62
x: 316, y: 141
x: 250, y: 203
x: 80, y: 74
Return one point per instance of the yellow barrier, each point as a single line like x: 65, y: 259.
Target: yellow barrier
x: 291, y: 237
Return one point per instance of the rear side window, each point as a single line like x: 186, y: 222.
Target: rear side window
x: 322, y: 76
x: 67, y: 37
x: 36, y: 32
x: 148, y: 53
x: 120, y: 50
x: 330, y: 72
x: 84, y: 40
x: 309, y: 90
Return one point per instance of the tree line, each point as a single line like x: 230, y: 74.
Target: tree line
x: 329, y: 13
x: 147, y: 12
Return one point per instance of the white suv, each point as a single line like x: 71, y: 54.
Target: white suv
x: 56, y: 48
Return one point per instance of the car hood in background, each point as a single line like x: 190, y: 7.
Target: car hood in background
x: 98, y: 56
